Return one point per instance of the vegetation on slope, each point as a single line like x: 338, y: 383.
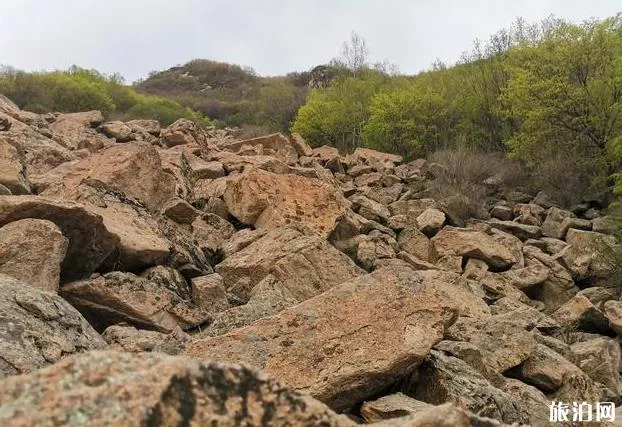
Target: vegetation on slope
x: 78, y: 89
x: 548, y: 95
x: 232, y: 95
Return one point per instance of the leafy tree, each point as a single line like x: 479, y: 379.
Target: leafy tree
x: 565, y: 91
x: 410, y: 122
x: 336, y: 115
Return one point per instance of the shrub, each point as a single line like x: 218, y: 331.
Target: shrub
x: 163, y: 110
x: 78, y: 89
x: 462, y: 180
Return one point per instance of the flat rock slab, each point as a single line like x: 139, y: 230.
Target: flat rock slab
x: 118, y: 297
x: 344, y: 345
x: 128, y: 389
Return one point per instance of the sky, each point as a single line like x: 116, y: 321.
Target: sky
x: 134, y: 37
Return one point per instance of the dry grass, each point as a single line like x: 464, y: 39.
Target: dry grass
x: 566, y: 178
x: 463, y: 180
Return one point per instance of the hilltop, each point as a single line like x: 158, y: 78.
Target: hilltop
x: 232, y: 95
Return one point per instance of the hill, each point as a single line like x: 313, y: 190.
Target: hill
x: 232, y: 95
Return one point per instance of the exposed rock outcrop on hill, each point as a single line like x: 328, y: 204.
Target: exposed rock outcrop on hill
x: 336, y: 275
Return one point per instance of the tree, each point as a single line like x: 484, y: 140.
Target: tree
x: 410, y: 121
x: 336, y: 115
x: 566, y: 91
x: 354, y: 54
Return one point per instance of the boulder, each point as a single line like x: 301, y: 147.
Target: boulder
x: 183, y: 132
x: 443, y: 378
x: 239, y: 240
x: 118, y: 297
x: 558, y: 288
x: 204, y: 170
x: 370, y: 249
x: 300, y: 145
x: 130, y: 339
x: 546, y: 369
x: 38, y: 328
x: 268, y: 297
x: 392, y: 406
x: 533, y: 401
x: 383, y: 324
x: 502, y: 212
x: 580, y: 313
x: 208, y: 292
x: 417, y: 244
x: 582, y: 257
x: 504, y: 342
x: 32, y: 250
x: 142, y: 243
x: 613, y: 312
x: 134, y: 168
x: 169, y: 278
x: 12, y: 172
x: 117, y: 130
x: 369, y: 209
x: 275, y: 145
x: 522, y: 231
x: 77, y: 130
x: 552, y: 226
x: 367, y: 154
x: 37, y: 153
x: 512, y: 243
x: 473, y: 244
x: 325, y: 152
x: 180, y: 211
x: 90, y: 242
x: 533, y: 274
x: 306, y: 265
x: 368, y: 179
x: 576, y: 223
x: 268, y: 200
x: 445, y: 415
x: 431, y: 221
x: 128, y: 389
x: 150, y: 126
x: 600, y: 359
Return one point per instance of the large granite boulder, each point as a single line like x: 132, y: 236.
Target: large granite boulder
x: 38, y: 328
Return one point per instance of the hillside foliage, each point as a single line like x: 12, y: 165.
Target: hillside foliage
x: 232, y: 95
x: 547, y: 94
x: 78, y: 89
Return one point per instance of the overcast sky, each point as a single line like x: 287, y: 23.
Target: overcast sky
x: 134, y: 37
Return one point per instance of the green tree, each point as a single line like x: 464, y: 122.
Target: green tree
x: 565, y: 90
x: 336, y: 115
x: 410, y: 122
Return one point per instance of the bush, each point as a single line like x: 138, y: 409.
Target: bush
x: 462, y: 180
x: 163, y: 110
x: 568, y: 178
x: 78, y: 89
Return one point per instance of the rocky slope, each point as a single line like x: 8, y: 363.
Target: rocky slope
x: 180, y: 277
